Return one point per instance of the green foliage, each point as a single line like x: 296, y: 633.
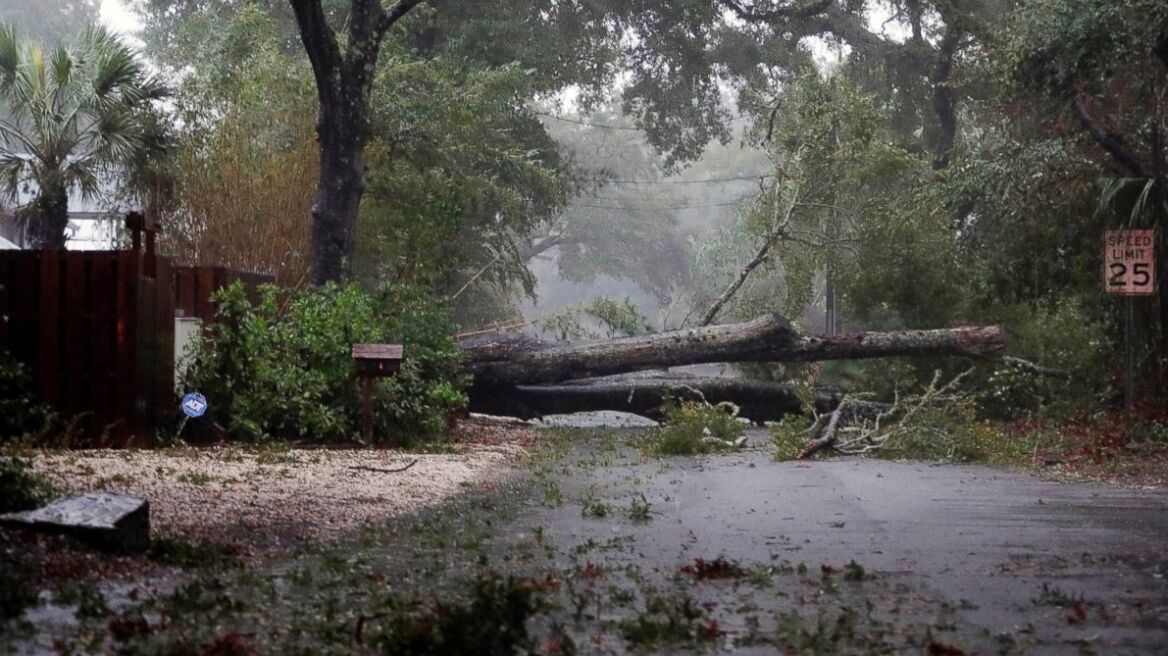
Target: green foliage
x: 952, y: 431
x: 600, y: 317
x: 18, y: 591
x: 1055, y: 46
x: 789, y: 436
x: 191, y: 554
x: 460, y: 172
x: 20, y: 487
x: 73, y: 113
x: 592, y: 505
x: 493, y: 622
x: 282, y: 367
x: 668, y: 621
x: 695, y: 428
x: 20, y: 412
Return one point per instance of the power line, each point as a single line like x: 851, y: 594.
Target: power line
x: 702, y: 181
x: 655, y: 207
x: 586, y: 123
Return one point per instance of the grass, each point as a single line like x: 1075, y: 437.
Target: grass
x: 197, y: 478
x: 640, y: 510
x: 192, y: 554
x: 592, y: 506
x: 1051, y: 595
x: 669, y: 621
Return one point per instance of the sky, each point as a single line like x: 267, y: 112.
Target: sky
x: 118, y: 17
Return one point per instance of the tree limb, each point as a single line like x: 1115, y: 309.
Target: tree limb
x: 1109, y: 141
x: 1160, y: 49
x: 394, y: 12
x: 786, y: 12
x: 396, y: 470
x: 321, y: 45
x: 777, y: 232
x: 825, y: 439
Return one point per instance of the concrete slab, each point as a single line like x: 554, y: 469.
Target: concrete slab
x: 109, y: 521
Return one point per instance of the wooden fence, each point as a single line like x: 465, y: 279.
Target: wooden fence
x: 193, y: 287
x: 96, y: 329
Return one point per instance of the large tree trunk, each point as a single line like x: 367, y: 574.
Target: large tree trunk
x: 506, y: 360
x: 344, y: 79
x: 46, y: 228
x: 338, y: 193
x: 644, y: 395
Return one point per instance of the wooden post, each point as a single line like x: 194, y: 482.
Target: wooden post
x: 367, y: 392
x: 374, y: 361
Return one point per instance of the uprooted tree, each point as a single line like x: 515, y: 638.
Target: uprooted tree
x: 522, y: 376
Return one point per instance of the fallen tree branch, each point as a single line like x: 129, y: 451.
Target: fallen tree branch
x: 385, y: 471
x: 827, y: 438
x: 875, y: 434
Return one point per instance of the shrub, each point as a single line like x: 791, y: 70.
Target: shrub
x: 18, y: 591
x: 20, y: 412
x: 694, y: 428
x: 282, y: 367
x: 20, y: 488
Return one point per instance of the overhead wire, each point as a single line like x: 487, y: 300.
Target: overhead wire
x: 586, y: 123
x: 737, y: 178
x: 653, y: 208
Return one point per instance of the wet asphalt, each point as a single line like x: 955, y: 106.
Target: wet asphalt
x: 962, y: 551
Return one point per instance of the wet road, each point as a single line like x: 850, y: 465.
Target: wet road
x: 979, y: 540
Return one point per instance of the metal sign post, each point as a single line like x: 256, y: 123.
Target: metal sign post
x: 1129, y: 269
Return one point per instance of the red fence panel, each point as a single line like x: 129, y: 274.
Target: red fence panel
x: 97, y: 335
x: 193, y: 287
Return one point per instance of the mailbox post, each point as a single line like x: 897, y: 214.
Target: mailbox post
x: 374, y: 361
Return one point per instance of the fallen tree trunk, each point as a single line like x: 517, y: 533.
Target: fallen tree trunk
x: 507, y: 359
x: 757, y: 401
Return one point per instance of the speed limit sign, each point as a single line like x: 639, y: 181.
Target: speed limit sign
x: 1129, y: 262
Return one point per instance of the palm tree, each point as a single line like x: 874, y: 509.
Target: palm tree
x: 69, y: 117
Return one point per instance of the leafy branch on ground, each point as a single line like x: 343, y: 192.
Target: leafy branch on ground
x: 695, y: 428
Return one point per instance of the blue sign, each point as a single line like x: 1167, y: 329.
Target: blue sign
x: 194, y: 404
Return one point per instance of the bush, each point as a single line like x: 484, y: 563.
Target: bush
x: 20, y: 412
x: 695, y: 428
x: 20, y: 488
x: 282, y: 367
x: 789, y: 436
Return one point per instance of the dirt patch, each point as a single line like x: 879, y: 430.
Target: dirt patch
x: 275, y: 497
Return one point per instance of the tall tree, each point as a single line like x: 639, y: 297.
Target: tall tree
x: 74, y: 114
x: 343, y: 82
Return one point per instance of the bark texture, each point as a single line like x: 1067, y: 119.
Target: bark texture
x: 343, y: 82
x: 46, y: 229
x: 505, y: 360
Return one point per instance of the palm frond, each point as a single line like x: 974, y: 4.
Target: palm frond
x: 1115, y: 190
x: 9, y: 55
x: 61, y: 65
x: 14, y: 168
x: 74, y: 114
x: 81, y: 173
